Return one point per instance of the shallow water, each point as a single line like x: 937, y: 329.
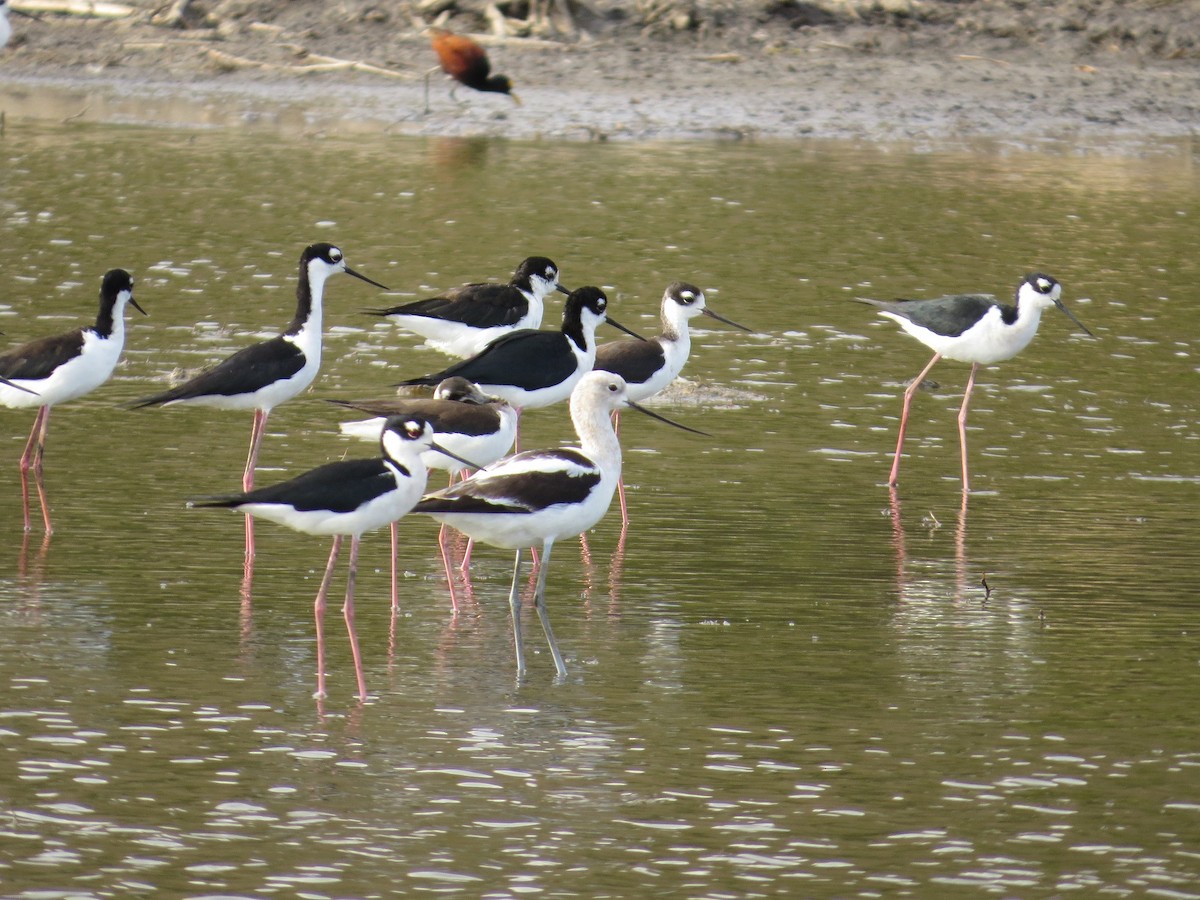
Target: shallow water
x: 784, y: 682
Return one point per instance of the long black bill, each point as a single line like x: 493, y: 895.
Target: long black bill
x: 362, y: 277
x: 615, y: 324
x: 1070, y: 315
x: 708, y: 312
x: 137, y: 306
x: 561, y: 289
x: 17, y: 387
x: 454, y: 456
x: 655, y: 415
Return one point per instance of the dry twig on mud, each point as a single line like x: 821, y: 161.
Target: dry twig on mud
x: 229, y: 62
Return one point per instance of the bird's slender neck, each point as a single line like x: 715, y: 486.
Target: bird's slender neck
x: 675, y: 323
x: 1025, y: 315
x: 309, y: 293
x: 597, y: 438
x: 578, y: 333
x: 110, y: 319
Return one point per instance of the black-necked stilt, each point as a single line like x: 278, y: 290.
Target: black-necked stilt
x: 347, y: 497
x: 263, y: 375
x: 973, y: 328
x: 648, y: 367
x: 530, y: 368
x: 540, y: 496
x: 465, y: 421
x: 52, y: 370
x: 464, y: 320
x: 465, y: 60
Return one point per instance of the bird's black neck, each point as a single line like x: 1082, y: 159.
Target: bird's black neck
x: 304, y: 302
x: 573, y: 329
x: 104, y: 319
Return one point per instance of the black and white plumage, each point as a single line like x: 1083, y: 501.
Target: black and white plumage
x: 972, y: 328
x: 540, y: 496
x: 531, y: 368
x: 464, y: 320
x: 14, y: 385
x: 648, y: 367
x: 465, y: 421
x: 347, y: 497
x: 55, y: 369
x: 263, y: 375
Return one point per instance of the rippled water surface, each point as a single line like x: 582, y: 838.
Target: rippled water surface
x: 784, y: 681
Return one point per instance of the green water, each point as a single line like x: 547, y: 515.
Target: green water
x: 784, y: 682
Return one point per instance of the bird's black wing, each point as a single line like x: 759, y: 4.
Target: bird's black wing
x: 246, y: 371
x: 948, y: 316
x: 478, y: 305
x: 635, y: 361
x: 529, y: 358
x: 524, y: 483
x: 39, y: 358
x: 340, y: 487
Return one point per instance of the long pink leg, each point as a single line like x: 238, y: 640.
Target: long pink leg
x: 348, y: 615
x: 444, y: 548
x: 465, y: 566
x: 27, y: 461
x: 38, y: 476
x: 448, y: 565
x: 256, y: 438
x: 908, y: 395
x: 395, y: 536
x: 319, y: 613
x: 962, y: 426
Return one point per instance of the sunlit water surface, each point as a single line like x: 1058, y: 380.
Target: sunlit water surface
x: 784, y: 682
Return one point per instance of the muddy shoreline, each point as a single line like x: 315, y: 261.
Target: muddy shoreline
x: 865, y: 83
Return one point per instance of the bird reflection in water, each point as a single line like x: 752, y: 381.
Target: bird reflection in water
x: 924, y: 588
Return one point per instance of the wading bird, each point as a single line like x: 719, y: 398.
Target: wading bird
x: 540, y: 496
x: 53, y: 370
x: 972, y: 328
x: 263, y: 375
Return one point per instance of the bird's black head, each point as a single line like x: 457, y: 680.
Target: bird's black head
x: 501, y: 84
x: 683, y: 293
x: 539, y: 266
x: 460, y: 390
x: 408, y: 428
x: 1043, y: 284
x: 114, y: 282
x: 588, y: 297
x: 322, y: 251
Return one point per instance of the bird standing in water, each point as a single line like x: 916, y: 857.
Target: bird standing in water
x: 464, y: 60
x: 973, y: 328
x: 52, y: 370
x: 540, y: 496
x: 649, y: 366
x: 265, y: 374
x: 342, y: 499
